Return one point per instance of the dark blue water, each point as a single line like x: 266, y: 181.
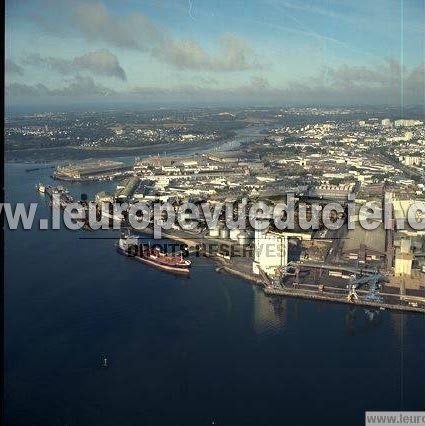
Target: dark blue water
x: 184, y: 351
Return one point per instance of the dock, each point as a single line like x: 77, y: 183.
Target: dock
x: 328, y: 297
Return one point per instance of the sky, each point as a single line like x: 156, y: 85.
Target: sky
x: 280, y: 52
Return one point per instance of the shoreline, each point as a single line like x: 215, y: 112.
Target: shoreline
x: 316, y: 294
x: 313, y: 291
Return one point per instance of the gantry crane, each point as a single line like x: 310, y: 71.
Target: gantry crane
x: 370, y: 280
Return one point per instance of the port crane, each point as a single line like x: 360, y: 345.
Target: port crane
x: 371, y: 280
x: 290, y: 268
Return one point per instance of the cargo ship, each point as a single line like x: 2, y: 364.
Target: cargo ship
x: 129, y: 246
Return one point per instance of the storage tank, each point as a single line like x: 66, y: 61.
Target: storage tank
x: 214, y: 232
x: 243, y: 238
x: 234, y: 234
x: 224, y: 233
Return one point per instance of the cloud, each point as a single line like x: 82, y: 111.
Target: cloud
x: 388, y: 74
x: 259, y: 82
x: 416, y: 78
x: 12, y: 68
x: 256, y: 89
x: 78, y: 87
x: 347, y: 76
x: 234, y: 54
x: 342, y: 86
x: 386, y: 83
x: 83, y: 86
x: 96, y: 23
x: 207, y: 81
x: 16, y: 91
x: 99, y: 62
x: 86, y: 88
x: 184, y: 54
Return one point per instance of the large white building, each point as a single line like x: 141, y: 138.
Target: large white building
x: 271, y: 252
x: 407, y: 123
x: 403, y: 258
x: 410, y: 160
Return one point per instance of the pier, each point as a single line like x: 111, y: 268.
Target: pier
x: 328, y: 297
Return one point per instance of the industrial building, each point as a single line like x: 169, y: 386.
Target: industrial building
x: 332, y: 191
x: 126, y: 189
x: 271, y: 250
x: 365, y: 245
x: 87, y: 168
